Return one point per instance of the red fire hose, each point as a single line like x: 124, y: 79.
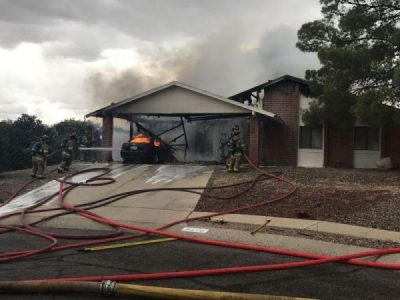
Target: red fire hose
x: 312, y: 259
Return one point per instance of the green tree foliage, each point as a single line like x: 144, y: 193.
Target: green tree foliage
x: 358, y: 45
x: 5, y: 142
x: 71, y: 126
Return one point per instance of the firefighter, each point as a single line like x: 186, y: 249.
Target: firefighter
x: 67, y: 154
x: 39, y: 153
x: 86, y: 142
x: 236, y: 147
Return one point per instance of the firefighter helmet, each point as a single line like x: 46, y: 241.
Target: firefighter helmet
x: 45, y: 137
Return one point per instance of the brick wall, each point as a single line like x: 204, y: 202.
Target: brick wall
x: 391, y: 144
x: 339, y: 145
x: 281, y: 140
x: 107, y: 136
x: 254, y: 140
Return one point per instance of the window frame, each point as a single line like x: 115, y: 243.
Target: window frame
x: 310, y: 135
x: 367, y: 136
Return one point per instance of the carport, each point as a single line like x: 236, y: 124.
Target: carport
x: 185, y: 102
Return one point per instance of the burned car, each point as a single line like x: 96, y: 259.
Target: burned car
x: 141, y: 149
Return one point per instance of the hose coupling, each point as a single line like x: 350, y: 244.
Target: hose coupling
x: 107, y: 288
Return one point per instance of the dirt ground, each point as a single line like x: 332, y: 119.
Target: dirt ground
x: 358, y: 197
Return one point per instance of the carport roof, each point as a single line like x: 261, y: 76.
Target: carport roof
x: 232, y: 107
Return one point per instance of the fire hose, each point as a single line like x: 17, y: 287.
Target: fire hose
x: 312, y: 259
x: 116, y: 197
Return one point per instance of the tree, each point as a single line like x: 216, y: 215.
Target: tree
x: 5, y: 142
x: 358, y: 45
x: 23, y: 133
x: 17, y: 138
x: 71, y: 126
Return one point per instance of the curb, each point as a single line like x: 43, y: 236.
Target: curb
x: 314, y: 225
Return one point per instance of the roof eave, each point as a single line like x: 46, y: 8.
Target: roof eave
x: 108, y: 109
x: 270, y: 83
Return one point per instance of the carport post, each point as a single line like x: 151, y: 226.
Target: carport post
x: 107, y: 136
x: 254, y: 140
x: 130, y: 127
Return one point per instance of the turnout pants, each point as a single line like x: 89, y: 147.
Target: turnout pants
x: 38, y: 166
x: 233, y: 162
x: 66, y: 160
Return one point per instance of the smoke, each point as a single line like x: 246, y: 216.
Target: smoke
x: 223, y: 63
x: 105, y: 89
x: 120, y: 136
x: 279, y: 56
x: 154, y: 65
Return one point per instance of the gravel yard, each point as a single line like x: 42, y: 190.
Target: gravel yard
x: 358, y: 197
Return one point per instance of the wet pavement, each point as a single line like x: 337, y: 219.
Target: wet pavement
x: 151, y: 209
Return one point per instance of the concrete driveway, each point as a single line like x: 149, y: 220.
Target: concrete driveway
x: 151, y: 209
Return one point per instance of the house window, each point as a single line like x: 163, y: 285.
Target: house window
x: 310, y: 137
x: 366, y: 138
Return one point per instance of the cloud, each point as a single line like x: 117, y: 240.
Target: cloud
x: 11, y: 110
x: 68, y: 57
x: 39, y: 85
x: 153, y: 20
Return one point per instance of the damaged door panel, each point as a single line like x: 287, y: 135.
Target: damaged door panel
x: 149, y: 147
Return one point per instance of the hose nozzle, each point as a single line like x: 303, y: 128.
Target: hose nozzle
x: 107, y: 288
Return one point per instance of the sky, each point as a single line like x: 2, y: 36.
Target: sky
x: 61, y: 59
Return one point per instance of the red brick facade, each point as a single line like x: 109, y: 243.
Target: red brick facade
x: 281, y: 140
x: 339, y: 146
x: 254, y: 140
x: 391, y: 144
x: 279, y: 143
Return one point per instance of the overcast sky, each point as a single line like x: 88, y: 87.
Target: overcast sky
x: 64, y: 58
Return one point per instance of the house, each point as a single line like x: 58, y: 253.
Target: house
x: 291, y: 143
x: 276, y: 134
x: 187, y: 105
